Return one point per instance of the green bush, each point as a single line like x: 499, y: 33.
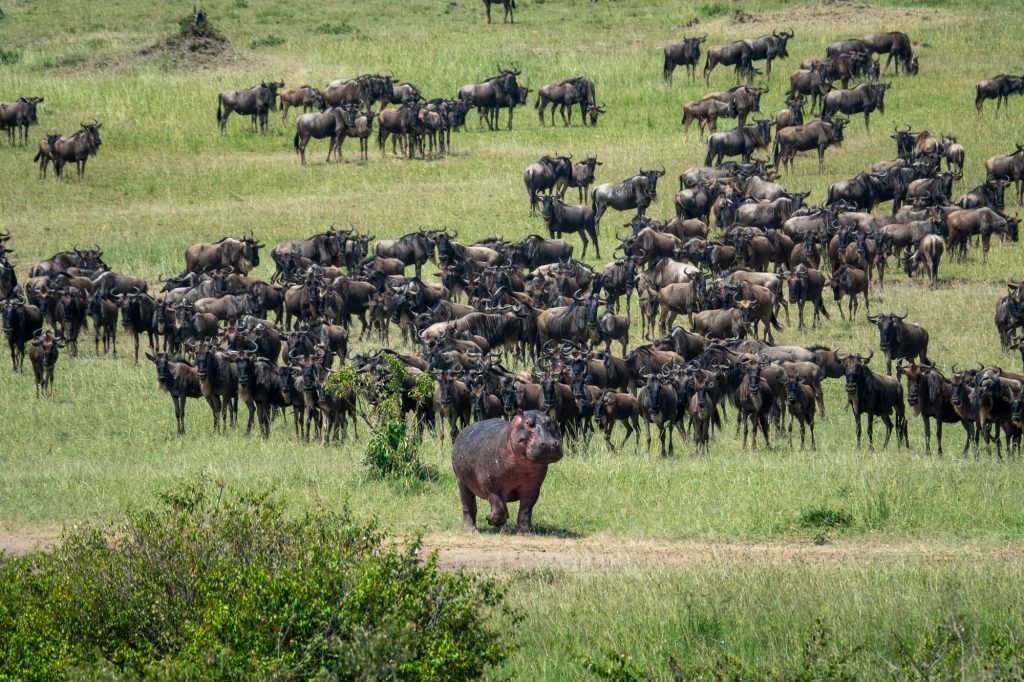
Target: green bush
x: 216, y: 585
x: 267, y: 41
x: 9, y: 57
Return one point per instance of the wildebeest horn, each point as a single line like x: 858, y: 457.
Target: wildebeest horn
x: 904, y: 315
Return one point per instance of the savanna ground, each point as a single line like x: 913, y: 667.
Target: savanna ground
x: 689, y: 557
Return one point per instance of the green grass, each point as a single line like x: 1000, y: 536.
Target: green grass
x: 166, y: 178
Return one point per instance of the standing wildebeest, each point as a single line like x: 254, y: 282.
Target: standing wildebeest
x: 564, y: 95
x: 304, y: 96
x: 658, y: 405
x: 744, y: 98
x: 818, y: 135
x: 43, y: 356
x: 800, y: 400
x: 865, y: 98
x: 706, y: 112
x: 415, y: 249
x: 508, y: 5
x: 582, y: 176
x: 813, y: 83
x: 20, y: 322
x: 686, y: 53
x: 241, y: 254
x: 999, y: 88
x: 178, y: 378
x: 805, y: 286
x: 488, y: 97
x: 360, y: 128
x: 768, y: 48
x: 926, y: 257
x: 77, y: 148
x: 561, y: 218
x: 16, y: 117
x: 46, y: 154
x: 899, y: 339
x: 637, y: 192
x: 929, y: 394
x: 736, y: 54
x: 954, y: 154
x: 320, y: 125
x: 793, y: 115
x: 840, y: 46
x: 851, y: 282
x: 740, y: 141
x: 218, y: 380
x: 897, y: 46
x: 549, y: 173
x: 876, y: 395
x: 1008, y: 167
x: 256, y: 101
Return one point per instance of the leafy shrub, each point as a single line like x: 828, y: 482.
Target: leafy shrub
x: 216, y: 585
x: 392, y: 451
x: 9, y: 57
x: 823, y: 517
x: 267, y: 41
x: 338, y: 28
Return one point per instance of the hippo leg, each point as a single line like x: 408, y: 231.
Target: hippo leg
x: 468, y: 507
x: 524, y: 520
x: 499, y: 511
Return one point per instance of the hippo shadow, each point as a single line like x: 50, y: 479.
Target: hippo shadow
x: 539, y: 529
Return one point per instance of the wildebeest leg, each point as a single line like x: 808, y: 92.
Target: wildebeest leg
x: 179, y: 413
x: 888, y: 431
x: 856, y: 417
x: 252, y: 412
x: 499, y: 511
x: 871, y: 432
x: 928, y: 434
x: 647, y: 423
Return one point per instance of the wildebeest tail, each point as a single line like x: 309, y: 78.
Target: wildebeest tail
x: 39, y: 155
x: 593, y: 200
x: 513, y: 4
x: 295, y: 141
x: 978, y: 98
x: 775, y: 154
x: 774, y: 320
x: 707, y: 159
x: 218, y: 109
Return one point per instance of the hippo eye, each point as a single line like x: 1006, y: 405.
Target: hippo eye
x: 531, y: 423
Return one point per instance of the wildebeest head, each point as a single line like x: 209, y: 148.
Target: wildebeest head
x: 855, y: 367
x: 593, y: 111
x: 251, y: 248
x: 890, y: 329
x: 30, y: 108
x: 781, y: 38
x: 13, y: 314
x: 163, y: 365
x: 655, y: 388
x: 652, y: 180
x: 792, y: 387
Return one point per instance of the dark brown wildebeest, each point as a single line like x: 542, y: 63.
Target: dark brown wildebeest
x: 737, y: 54
x: 897, y: 46
x: 929, y: 395
x: 21, y: 322
x: 741, y: 141
x: 77, y: 148
x: 813, y: 83
x: 256, y: 101
x: 1008, y: 167
x: 899, y: 339
x: 507, y: 5
x: 563, y: 95
x: 840, y: 46
x: 560, y: 218
x: 582, y: 176
x: 937, y: 189
x: 402, y: 93
x: 547, y: 174
x: 818, y: 135
x: 866, y: 97
x: 792, y: 116
x: 658, y: 405
x: 984, y: 222
x: 16, y: 117
x: 361, y: 128
x: 45, y: 154
x: 103, y: 312
x: 926, y: 257
x: 851, y: 282
x: 706, y: 112
x: 593, y: 111
x: 999, y: 88
x: 43, y: 356
x: 747, y: 100
x: 801, y: 404
x: 230, y: 252
x: 178, y: 378
x: 875, y: 395
x: 328, y: 124
x: 304, y: 96
x: 218, y: 381
x: 806, y: 286
x: 488, y: 97
x: 686, y: 53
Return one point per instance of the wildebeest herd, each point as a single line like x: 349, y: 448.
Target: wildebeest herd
x: 506, y: 326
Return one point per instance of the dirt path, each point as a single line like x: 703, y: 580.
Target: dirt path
x: 506, y: 553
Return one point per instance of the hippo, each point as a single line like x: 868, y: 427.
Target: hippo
x: 503, y: 462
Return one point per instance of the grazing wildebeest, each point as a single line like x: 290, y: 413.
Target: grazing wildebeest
x: 549, y: 173
x: 304, y: 96
x: 740, y: 141
x: 899, y: 339
x: 488, y: 97
x: 840, y: 46
x: 637, y: 192
x: 21, y: 322
x: 926, y: 257
x: 43, y: 356
x: 686, y: 53
x: 17, y: 116
x: 240, y: 254
x: 897, y: 46
x: 508, y: 6
x: 876, y: 395
x: 999, y: 88
x: 320, y: 125
x: 737, y: 54
x: 563, y: 95
x: 1008, y: 167
x: 561, y: 218
x: 256, y: 101
x: 818, y: 135
x: 866, y: 97
x: 77, y: 148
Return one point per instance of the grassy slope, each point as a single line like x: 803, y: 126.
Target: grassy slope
x: 165, y: 178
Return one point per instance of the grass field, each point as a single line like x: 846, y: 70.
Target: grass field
x: 166, y: 178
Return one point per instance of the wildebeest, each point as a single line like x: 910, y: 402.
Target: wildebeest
x: 926, y: 257
x: 929, y: 394
x: 180, y: 379
x: 21, y: 322
x: 658, y: 405
x: 43, y: 356
x: 737, y: 54
x: 954, y: 153
x: 304, y: 96
x: 561, y: 218
x: 897, y: 46
x: 818, y: 135
x: 17, y: 116
x: 637, y: 192
x: 899, y: 339
x: 875, y: 395
x: 256, y: 101
x: 46, y: 154
x: 793, y: 115
x: 745, y: 99
x: 549, y: 173
x: 741, y: 141
x: 838, y: 47
x: 706, y: 112
x: 77, y: 148
x: 507, y: 5
x: 813, y: 83
x: 582, y: 176
x: 851, y: 282
x: 1008, y: 167
x: 686, y: 53
x: 801, y: 404
x: 563, y: 96
x: 999, y: 88
x: 240, y: 254
x: 806, y: 286
x: 866, y: 97
x: 320, y: 125
x: 493, y: 94
x: 769, y: 48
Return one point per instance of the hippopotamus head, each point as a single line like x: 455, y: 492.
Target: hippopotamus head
x: 532, y: 435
